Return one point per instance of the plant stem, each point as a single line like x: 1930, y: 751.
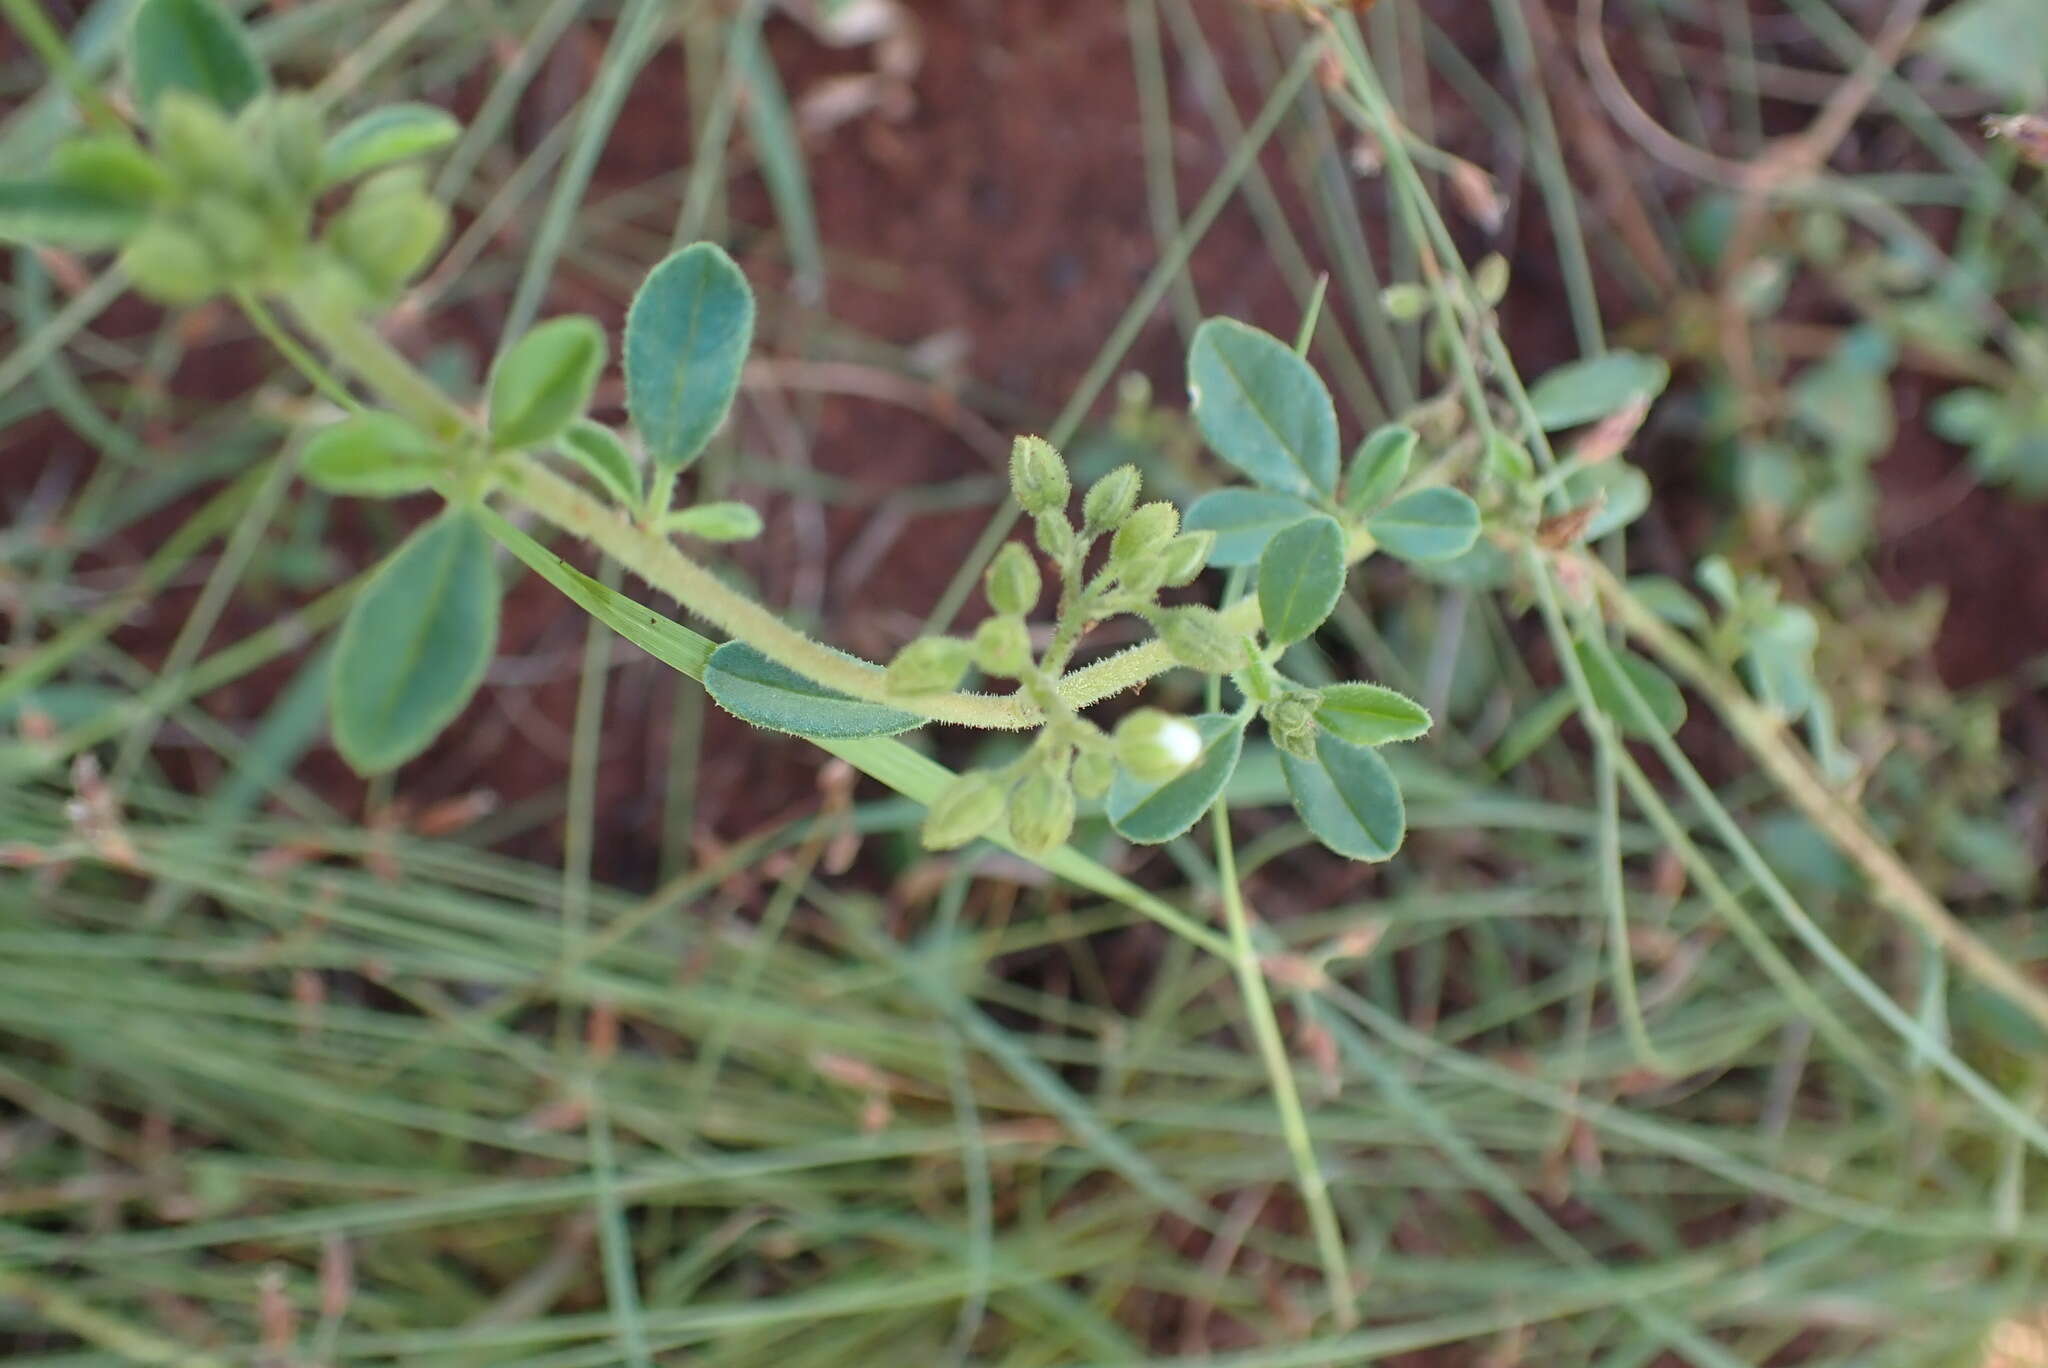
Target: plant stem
x: 658, y: 561
x: 1258, y: 1003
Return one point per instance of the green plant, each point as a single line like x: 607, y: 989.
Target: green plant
x: 193, y: 218
x: 1453, y: 1043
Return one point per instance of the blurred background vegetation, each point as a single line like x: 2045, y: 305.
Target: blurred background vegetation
x: 612, y: 1031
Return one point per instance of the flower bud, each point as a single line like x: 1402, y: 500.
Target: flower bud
x: 199, y: 144
x: 929, y: 665
x: 1038, y: 476
x: 1198, y: 638
x: 1041, y: 813
x: 1110, y: 499
x: 1490, y: 278
x: 1156, y: 746
x: 1185, y: 557
x: 1145, y: 531
x: 968, y: 807
x: 1014, y: 583
x: 391, y: 228
x: 1094, y: 771
x: 1142, y: 578
x: 170, y: 264
x: 288, y: 130
x: 715, y: 522
x: 234, y: 234
x: 1002, y: 647
x: 1055, y: 536
x: 1405, y: 302
x: 1291, y: 719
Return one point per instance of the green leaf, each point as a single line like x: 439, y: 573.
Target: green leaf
x: 1587, y: 391
x: 1670, y: 600
x: 1301, y: 573
x: 373, y: 455
x: 544, y: 382
x: 1624, y: 492
x: 1667, y: 704
x: 599, y: 451
x: 192, y: 45
x: 1379, y: 466
x: 391, y: 134
x: 1431, y: 524
x: 1154, y: 813
x: 2001, y: 45
x: 1244, y: 520
x: 769, y: 694
x: 687, y: 336
x: 50, y: 213
x: 1780, y: 658
x: 415, y: 645
x: 1348, y: 799
x: 1370, y: 714
x: 1263, y: 409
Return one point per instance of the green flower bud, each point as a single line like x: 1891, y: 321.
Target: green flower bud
x: 289, y: 130
x: 1490, y: 278
x: 929, y: 665
x: 714, y: 522
x: 1291, y: 719
x: 1094, y: 771
x: 968, y: 807
x: 1156, y: 746
x: 1038, y: 476
x: 199, y: 144
x: 1198, y: 638
x: 1406, y: 302
x: 1055, y: 536
x: 1185, y: 557
x: 1014, y: 583
x: 391, y: 228
x: 1145, y: 531
x: 1041, y: 813
x: 1142, y: 578
x: 235, y: 234
x: 1002, y: 647
x: 1110, y: 499
x: 170, y: 264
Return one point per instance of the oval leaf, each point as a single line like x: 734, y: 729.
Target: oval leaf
x: 192, y: 45
x: 544, y: 382
x: 1244, y: 520
x: 415, y: 645
x: 599, y: 451
x: 1370, y: 714
x: 1153, y: 813
x: 1379, y: 466
x: 373, y: 455
x: 382, y: 136
x: 1604, y: 679
x: 1623, y: 493
x: 50, y: 213
x: 687, y: 336
x: 1432, y: 524
x: 1301, y: 573
x: 1348, y: 798
x: 1587, y: 391
x: 769, y: 694
x: 1263, y: 409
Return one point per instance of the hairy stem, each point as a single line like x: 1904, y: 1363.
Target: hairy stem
x: 660, y: 563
